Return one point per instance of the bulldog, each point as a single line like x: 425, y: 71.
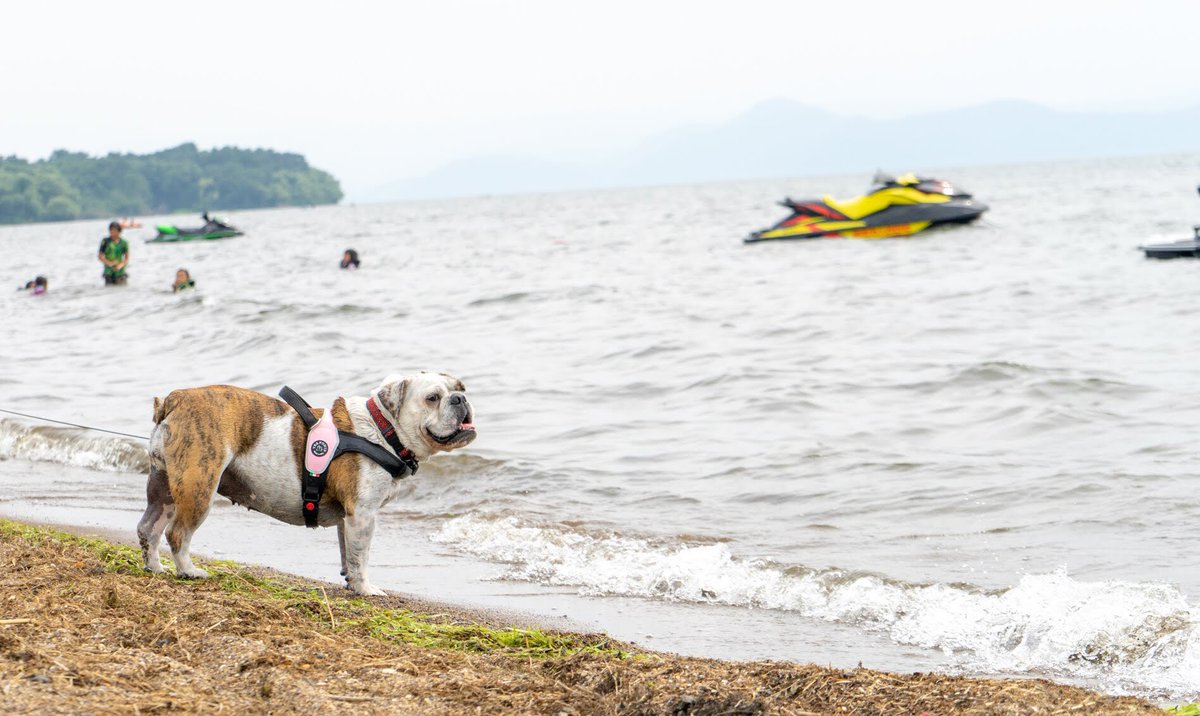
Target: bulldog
x: 249, y: 447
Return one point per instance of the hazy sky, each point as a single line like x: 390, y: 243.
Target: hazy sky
x: 377, y: 91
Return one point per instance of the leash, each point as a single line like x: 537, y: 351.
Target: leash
x: 74, y: 425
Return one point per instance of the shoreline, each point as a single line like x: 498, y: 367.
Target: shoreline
x: 83, y: 628
x: 407, y: 562
x: 493, y: 617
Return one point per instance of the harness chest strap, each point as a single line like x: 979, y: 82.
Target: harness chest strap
x: 325, y: 443
x: 319, y: 451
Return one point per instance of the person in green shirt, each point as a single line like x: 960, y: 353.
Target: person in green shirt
x: 114, y: 254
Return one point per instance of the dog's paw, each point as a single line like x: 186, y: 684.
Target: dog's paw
x: 194, y: 573
x: 153, y: 567
x: 368, y: 590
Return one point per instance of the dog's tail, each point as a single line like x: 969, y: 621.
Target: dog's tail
x: 163, y: 407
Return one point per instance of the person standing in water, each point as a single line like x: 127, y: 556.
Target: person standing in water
x: 114, y: 254
x: 349, y: 259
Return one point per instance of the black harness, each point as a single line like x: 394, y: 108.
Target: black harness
x: 400, y: 465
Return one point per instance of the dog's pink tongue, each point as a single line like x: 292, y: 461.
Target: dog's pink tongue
x: 467, y: 426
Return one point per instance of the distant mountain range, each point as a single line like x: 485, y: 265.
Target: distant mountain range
x: 782, y: 138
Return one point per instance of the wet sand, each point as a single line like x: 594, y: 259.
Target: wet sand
x: 82, y: 629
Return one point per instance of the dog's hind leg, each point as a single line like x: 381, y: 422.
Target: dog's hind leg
x: 160, y: 509
x: 194, y: 489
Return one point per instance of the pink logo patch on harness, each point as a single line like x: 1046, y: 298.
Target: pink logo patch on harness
x: 322, y: 444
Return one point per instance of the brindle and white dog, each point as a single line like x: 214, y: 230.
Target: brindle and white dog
x: 249, y: 447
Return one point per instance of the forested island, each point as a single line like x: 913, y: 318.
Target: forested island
x: 73, y: 185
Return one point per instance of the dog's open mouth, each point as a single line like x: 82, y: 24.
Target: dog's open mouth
x: 458, y: 435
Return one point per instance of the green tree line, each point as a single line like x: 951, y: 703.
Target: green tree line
x: 72, y: 185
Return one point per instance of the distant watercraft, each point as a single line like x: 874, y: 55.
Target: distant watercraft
x: 213, y: 229
x: 894, y: 206
x: 130, y: 224
x: 1176, y: 249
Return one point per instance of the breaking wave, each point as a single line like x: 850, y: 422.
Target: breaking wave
x: 67, y: 446
x: 1132, y: 637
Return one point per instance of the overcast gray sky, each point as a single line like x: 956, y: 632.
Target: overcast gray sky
x: 377, y: 91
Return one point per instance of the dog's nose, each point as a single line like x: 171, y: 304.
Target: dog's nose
x: 456, y: 400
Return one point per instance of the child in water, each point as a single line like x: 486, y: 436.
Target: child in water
x: 38, y: 286
x: 350, y: 259
x: 183, y: 280
x: 114, y: 254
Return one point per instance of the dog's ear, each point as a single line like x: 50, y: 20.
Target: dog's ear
x: 391, y: 394
x: 457, y: 385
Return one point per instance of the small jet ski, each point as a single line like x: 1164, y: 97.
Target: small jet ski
x: 1175, y: 249
x: 213, y: 228
x: 894, y: 206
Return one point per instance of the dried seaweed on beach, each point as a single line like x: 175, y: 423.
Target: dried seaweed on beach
x: 83, y: 630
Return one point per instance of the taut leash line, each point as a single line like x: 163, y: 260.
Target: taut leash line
x: 74, y: 425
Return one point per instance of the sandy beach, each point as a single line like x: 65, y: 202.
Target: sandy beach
x: 84, y: 630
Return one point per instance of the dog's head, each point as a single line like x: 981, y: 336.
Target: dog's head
x: 430, y: 411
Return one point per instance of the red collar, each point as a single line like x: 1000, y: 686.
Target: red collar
x: 389, y: 431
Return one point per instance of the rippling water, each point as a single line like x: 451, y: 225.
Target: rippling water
x: 973, y: 449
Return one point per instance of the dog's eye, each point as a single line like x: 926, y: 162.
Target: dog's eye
x: 433, y: 397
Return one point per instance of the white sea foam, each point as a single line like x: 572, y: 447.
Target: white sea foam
x: 71, y: 447
x: 1135, y: 637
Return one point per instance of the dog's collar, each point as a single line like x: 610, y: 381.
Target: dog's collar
x: 389, y: 434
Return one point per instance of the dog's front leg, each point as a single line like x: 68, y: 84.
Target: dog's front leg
x: 342, y: 544
x: 357, y: 531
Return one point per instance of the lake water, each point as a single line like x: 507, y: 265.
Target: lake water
x: 972, y: 451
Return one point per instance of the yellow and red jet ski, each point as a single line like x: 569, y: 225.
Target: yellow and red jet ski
x: 895, y: 206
